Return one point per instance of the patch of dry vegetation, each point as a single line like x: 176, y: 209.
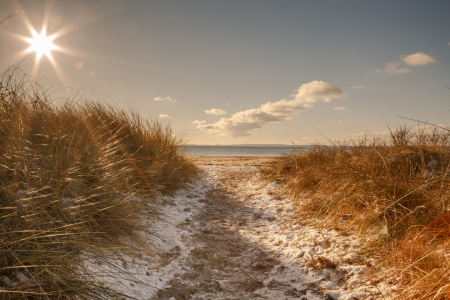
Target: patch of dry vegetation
x: 70, y: 180
x: 395, y: 193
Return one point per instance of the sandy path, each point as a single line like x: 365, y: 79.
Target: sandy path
x: 248, y: 245
x: 225, y: 264
x: 230, y: 236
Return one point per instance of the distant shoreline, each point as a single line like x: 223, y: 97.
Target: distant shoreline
x: 239, y: 150
x: 231, y: 160
x: 248, y: 145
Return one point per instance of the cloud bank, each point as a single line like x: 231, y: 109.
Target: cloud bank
x: 244, y: 123
x: 215, y: 111
x: 168, y: 99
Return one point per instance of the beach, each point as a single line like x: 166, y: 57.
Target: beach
x: 256, y: 161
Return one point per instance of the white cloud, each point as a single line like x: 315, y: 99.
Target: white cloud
x: 228, y: 104
x: 418, y: 59
x: 357, y: 87
x: 215, y: 111
x: 393, y: 68
x: 244, y: 123
x: 168, y: 99
x: 412, y: 60
x: 164, y: 116
x: 198, y: 122
x: 339, y: 108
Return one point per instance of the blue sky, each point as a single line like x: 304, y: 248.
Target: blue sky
x: 219, y: 70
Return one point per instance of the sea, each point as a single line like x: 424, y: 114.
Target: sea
x: 240, y: 150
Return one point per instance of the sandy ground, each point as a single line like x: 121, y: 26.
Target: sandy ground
x: 230, y: 236
x: 232, y: 160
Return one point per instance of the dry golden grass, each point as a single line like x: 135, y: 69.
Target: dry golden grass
x: 393, y: 192
x: 69, y: 177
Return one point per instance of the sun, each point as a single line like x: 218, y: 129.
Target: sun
x: 41, y: 44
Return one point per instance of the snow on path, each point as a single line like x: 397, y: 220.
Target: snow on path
x: 232, y: 237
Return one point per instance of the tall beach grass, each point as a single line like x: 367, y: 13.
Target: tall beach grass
x: 393, y: 192
x: 72, y: 178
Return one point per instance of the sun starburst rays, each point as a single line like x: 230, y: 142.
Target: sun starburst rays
x: 41, y: 44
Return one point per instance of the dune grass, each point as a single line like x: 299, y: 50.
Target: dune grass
x: 72, y: 179
x: 393, y: 192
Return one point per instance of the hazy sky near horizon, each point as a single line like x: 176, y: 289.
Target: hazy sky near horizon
x: 248, y: 71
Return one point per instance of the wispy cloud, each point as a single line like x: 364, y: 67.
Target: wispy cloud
x: 228, y: 104
x: 215, y: 111
x: 339, y: 108
x: 168, y: 99
x: 418, y: 59
x: 164, y: 116
x: 244, y: 123
x: 198, y: 122
x: 357, y: 87
x: 411, y: 60
x: 393, y: 68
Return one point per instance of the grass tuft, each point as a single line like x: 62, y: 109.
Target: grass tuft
x: 394, y: 192
x: 72, y: 179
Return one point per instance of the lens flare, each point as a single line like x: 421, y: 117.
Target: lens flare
x: 41, y: 44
